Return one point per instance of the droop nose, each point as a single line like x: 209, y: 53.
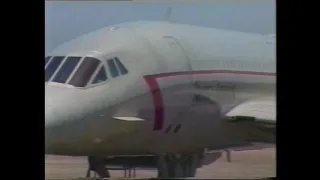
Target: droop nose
x: 54, y: 128
x: 49, y: 126
x: 49, y: 121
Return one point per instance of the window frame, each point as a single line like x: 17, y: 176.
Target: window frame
x: 45, y: 66
x: 62, y: 63
x: 58, y: 68
x: 89, y: 84
x: 117, y: 65
x: 75, y: 70
x: 54, y: 73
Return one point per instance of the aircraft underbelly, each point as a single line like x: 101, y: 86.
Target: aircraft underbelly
x: 199, y: 108
x: 192, y: 115
x: 192, y: 118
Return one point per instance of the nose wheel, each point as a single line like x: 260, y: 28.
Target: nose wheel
x: 168, y: 165
x: 96, y: 164
x: 178, y: 165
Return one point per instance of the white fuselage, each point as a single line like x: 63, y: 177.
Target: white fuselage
x: 181, y: 82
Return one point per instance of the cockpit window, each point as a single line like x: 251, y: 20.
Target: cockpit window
x: 84, y: 72
x: 101, y: 76
x: 116, y: 67
x: 66, y: 69
x: 47, y: 60
x: 52, y: 67
x: 112, y: 67
x: 123, y: 70
x: 79, y: 71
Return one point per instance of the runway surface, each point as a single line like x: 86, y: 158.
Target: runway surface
x: 245, y: 164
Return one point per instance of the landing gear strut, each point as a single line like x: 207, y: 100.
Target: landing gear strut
x: 178, y: 166
x: 168, y: 165
x: 96, y: 164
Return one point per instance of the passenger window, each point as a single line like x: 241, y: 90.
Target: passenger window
x: 66, y: 69
x: 112, y: 67
x: 121, y: 67
x: 47, y: 60
x: 101, y: 76
x: 84, y: 72
x: 52, y: 67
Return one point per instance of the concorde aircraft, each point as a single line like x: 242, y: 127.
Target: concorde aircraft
x: 159, y: 88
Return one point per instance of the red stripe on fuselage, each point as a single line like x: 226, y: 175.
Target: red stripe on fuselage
x: 158, y: 104
x: 155, y: 89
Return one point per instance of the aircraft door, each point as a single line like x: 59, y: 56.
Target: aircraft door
x: 177, y: 51
x: 178, y: 100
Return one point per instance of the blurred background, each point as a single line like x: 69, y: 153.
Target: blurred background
x: 67, y: 20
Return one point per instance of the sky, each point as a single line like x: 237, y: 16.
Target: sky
x: 65, y: 21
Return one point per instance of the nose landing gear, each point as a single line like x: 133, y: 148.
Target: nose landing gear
x: 168, y: 166
x: 178, y: 166
x: 97, y: 165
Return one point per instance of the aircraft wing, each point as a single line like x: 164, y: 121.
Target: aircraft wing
x: 262, y: 110
x: 258, y: 117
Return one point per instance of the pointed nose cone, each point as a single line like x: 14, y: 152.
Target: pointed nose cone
x: 49, y: 128
x: 48, y: 121
x: 55, y: 103
x: 57, y: 129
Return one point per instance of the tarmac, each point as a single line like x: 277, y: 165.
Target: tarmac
x: 245, y: 164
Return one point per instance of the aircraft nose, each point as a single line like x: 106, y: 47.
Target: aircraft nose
x: 55, y: 105
x: 50, y: 124
x: 59, y: 120
x: 49, y: 121
x: 54, y: 128
x: 52, y: 116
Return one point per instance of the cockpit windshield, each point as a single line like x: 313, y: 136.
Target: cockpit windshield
x: 121, y: 67
x: 52, y: 67
x: 81, y: 71
x: 47, y: 60
x: 84, y: 72
x: 112, y: 67
x: 101, y: 76
x: 66, y: 69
